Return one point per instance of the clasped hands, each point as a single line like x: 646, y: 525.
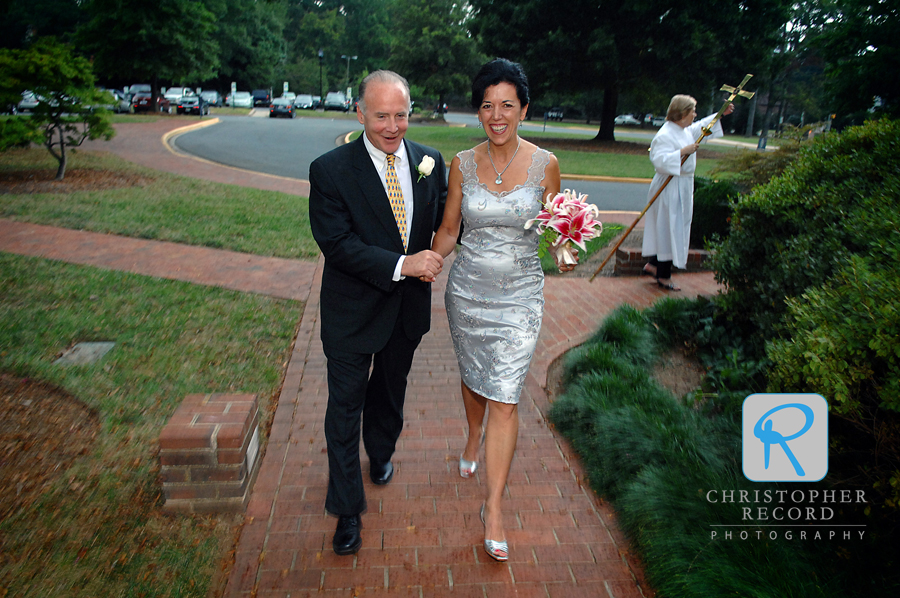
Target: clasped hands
x: 425, y: 265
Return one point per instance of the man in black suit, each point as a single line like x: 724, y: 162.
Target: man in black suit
x: 376, y: 286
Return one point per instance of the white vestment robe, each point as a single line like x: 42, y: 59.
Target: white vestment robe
x: 667, y: 229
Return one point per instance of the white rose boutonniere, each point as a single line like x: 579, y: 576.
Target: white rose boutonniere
x: 425, y: 167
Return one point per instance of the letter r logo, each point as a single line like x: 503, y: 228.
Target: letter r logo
x: 785, y: 437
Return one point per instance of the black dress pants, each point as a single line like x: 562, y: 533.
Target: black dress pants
x: 376, y: 400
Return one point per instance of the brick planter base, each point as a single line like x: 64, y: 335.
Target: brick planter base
x: 629, y: 261
x: 209, y: 453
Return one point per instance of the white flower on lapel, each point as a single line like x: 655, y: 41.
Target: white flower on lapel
x: 425, y: 167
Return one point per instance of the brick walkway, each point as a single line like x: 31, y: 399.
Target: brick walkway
x: 422, y: 533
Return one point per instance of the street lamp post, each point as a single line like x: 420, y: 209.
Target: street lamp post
x: 349, y: 58
x: 321, y: 60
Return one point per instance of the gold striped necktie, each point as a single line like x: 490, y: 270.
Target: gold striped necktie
x: 395, y: 194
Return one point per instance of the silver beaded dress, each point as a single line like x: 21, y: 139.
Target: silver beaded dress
x: 495, y: 291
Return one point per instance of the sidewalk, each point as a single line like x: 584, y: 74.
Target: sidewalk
x: 422, y: 533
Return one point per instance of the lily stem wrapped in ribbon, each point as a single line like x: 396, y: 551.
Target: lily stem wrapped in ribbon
x: 566, y: 220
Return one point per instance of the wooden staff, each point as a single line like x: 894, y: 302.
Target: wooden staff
x: 704, y: 132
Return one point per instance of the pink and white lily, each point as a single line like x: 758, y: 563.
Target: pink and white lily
x: 567, y: 219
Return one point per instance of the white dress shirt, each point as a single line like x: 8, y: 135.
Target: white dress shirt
x: 402, y: 166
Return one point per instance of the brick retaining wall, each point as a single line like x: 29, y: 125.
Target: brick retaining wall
x: 629, y: 261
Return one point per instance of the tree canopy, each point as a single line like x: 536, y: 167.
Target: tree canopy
x: 618, y: 46
x: 166, y: 40
x: 603, y: 57
x: 432, y: 46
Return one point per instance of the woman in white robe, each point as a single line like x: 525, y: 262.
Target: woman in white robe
x: 667, y: 229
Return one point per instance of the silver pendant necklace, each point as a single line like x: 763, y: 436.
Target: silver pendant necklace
x: 499, y: 180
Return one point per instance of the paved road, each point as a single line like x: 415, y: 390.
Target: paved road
x: 286, y: 148
x: 280, y: 146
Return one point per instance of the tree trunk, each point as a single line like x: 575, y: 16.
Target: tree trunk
x: 63, y: 157
x: 154, y: 94
x: 440, y: 106
x: 748, y: 132
x: 608, y: 115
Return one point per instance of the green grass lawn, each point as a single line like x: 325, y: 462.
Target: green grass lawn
x: 97, y: 529
x: 165, y: 207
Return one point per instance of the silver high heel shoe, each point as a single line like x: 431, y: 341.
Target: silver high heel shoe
x: 467, y: 468
x: 499, y: 551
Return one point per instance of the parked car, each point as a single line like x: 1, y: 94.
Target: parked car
x: 555, y: 113
x: 120, y: 103
x: 192, y: 104
x: 304, y: 101
x: 261, y: 97
x: 212, y: 98
x: 174, y: 94
x: 626, y: 119
x: 317, y: 102
x: 143, y: 102
x: 336, y: 100
x: 658, y: 121
x: 137, y: 88
x: 289, y: 95
x: 28, y: 103
x: 240, y: 99
x: 281, y: 107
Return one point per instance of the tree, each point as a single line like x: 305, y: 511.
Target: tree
x: 618, y: 45
x: 64, y: 86
x: 163, y: 41
x: 861, y: 45
x: 23, y: 22
x: 311, y: 27
x: 250, y: 38
x: 432, y: 46
x: 338, y: 28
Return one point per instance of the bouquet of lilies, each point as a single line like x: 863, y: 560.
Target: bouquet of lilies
x: 565, y: 220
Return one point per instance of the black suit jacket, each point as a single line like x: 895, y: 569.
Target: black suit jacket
x: 354, y: 226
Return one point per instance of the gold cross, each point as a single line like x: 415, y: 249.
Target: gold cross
x: 734, y: 92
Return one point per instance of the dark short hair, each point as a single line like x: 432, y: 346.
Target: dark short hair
x: 500, y: 70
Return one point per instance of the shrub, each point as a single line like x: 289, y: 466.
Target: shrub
x: 712, y: 210
x: 843, y: 338
x: 795, y: 232
x: 751, y: 168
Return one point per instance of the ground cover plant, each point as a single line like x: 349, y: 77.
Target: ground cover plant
x: 656, y: 457
x: 95, y: 528
x: 149, y: 204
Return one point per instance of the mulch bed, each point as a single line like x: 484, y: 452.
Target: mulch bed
x: 42, y: 431
x: 44, y: 181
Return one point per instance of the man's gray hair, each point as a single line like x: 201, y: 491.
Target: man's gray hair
x: 381, y: 76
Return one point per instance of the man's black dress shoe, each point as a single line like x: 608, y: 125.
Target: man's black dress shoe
x: 381, y: 472
x: 346, y: 537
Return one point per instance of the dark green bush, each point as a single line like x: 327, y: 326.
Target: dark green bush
x: 17, y: 132
x: 796, y: 232
x: 751, y: 168
x: 843, y: 339
x: 712, y: 210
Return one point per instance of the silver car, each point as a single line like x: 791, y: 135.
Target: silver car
x: 240, y: 99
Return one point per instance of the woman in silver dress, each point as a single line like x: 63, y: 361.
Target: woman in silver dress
x: 495, y: 288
